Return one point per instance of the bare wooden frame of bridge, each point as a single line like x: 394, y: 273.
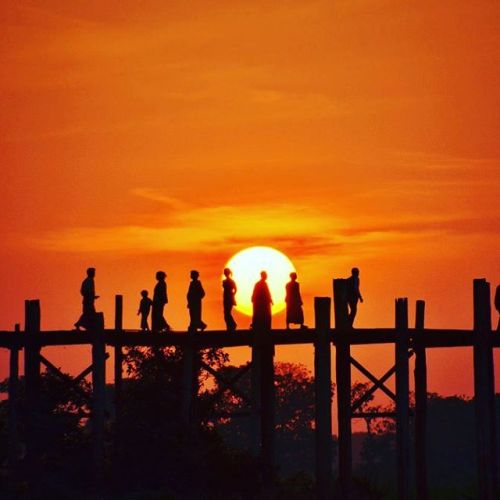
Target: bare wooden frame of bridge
x: 406, y: 341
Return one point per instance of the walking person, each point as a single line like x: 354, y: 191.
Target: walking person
x: 160, y: 299
x: 262, y: 304
x: 88, y: 318
x: 353, y: 295
x: 144, y: 310
x: 293, y: 299
x: 228, y: 299
x: 194, y: 297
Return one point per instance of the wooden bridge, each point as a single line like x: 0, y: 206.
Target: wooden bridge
x: 407, y: 342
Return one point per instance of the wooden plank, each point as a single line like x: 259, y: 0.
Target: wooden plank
x: 402, y: 400
x: 484, y: 392
x: 420, y: 405
x: 343, y: 379
x: 323, y: 399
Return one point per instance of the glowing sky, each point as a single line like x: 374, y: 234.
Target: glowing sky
x: 138, y: 136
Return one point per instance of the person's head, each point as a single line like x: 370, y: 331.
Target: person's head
x: 263, y: 275
x: 195, y: 275
x: 144, y: 293
x: 293, y: 276
x: 91, y: 272
x: 227, y: 272
x: 355, y: 271
x: 160, y: 276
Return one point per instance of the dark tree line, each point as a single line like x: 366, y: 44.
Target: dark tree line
x: 153, y: 454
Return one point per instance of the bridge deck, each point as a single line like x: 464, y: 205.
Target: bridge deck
x: 362, y: 336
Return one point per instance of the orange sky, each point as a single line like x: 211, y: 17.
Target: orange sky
x: 138, y: 136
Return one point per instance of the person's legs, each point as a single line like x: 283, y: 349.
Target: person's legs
x: 353, y: 309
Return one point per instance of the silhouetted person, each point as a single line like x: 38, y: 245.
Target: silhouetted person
x: 497, y: 305
x: 228, y: 299
x: 194, y: 297
x: 88, y: 318
x: 144, y: 310
x: 160, y: 298
x: 353, y: 294
x: 262, y: 302
x: 293, y: 299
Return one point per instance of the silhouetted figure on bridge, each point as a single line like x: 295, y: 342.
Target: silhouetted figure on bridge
x: 497, y: 305
x: 144, y: 310
x: 160, y: 298
x: 353, y: 294
x: 293, y: 299
x: 88, y: 318
x: 194, y: 297
x: 262, y: 302
x: 228, y: 299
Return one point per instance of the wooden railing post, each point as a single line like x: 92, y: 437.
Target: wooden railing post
x: 13, y: 396
x: 420, y: 404
x: 402, y: 399
x: 343, y: 377
x: 323, y: 398
x: 484, y: 392
x: 32, y: 387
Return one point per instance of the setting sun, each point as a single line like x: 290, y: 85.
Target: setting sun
x: 246, y: 267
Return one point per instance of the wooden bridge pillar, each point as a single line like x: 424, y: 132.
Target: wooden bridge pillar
x: 323, y: 398
x: 402, y: 399
x: 32, y: 384
x: 420, y: 405
x: 190, y: 368
x: 13, y: 443
x: 263, y: 403
x: 98, y: 400
x: 343, y: 376
x: 268, y: 403
x: 118, y: 369
x: 256, y: 400
x: 484, y: 392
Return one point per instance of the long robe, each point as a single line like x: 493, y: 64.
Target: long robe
x: 88, y: 318
x: 293, y: 299
x: 228, y: 300
x: 194, y: 297
x: 262, y: 302
x: 160, y: 298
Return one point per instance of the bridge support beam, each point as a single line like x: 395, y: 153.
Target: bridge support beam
x: 98, y: 401
x: 484, y: 392
x: 32, y: 383
x: 13, y: 389
x: 402, y: 399
x: 343, y: 375
x: 420, y: 405
x: 118, y: 370
x: 323, y: 398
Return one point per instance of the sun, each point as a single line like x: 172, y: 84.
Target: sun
x: 246, y: 267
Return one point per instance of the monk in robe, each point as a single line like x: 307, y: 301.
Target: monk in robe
x: 194, y: 297
x: 262, y: 302
x: 293, y: 299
